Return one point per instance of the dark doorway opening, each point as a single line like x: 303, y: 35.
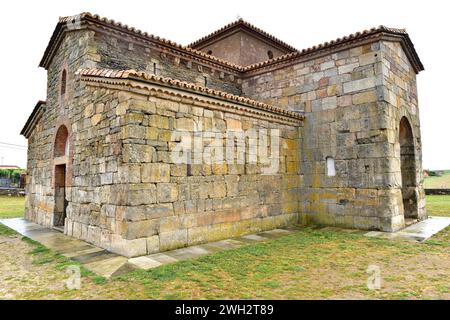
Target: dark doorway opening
x: 408, y: 170
x: 60, y: 196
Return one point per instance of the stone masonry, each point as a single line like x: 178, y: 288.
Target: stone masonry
x: 336, y: 129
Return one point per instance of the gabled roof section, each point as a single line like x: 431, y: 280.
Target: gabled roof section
x: 33, y: 118
x: 243, y: 26
x: 372, y: 35
x: 79, y: 21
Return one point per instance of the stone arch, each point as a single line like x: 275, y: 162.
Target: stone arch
x: 408, y: 169
x: 61, y: 174
x: 61, y: 146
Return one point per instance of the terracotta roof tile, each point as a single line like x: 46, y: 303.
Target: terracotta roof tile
x: 409, y: 46
x: 133, y: 74
x: 95, y: 17
x: 352, y: 37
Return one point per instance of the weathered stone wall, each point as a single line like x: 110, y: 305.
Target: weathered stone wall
x: 400, y: 96
x: 348, y: 119
x: 121, y: 53
x: 72, y: 54
x: 242, y: 49
x: 130, y: 196
x: 126, y: 193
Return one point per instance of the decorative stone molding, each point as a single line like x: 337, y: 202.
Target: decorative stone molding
x: 222, y: 100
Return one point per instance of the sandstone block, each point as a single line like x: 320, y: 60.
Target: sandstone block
x: 234, y: 125
x: 173, y: 239
x: 159, y: 210
x: 359, y: 85
x: 155, y: 172
x: 178, y: 170
x: 140, y: 229
x: 143, y: 193
x: 128, y: 248
x: 138, y: 153
x: 167, y: 192
x: 153, y: 244
x: 347, y: 68
x: 218, y: 190
x: 96, y: 119
x: 159, y: 121
x: 365, y: 97
x: 185, y: 124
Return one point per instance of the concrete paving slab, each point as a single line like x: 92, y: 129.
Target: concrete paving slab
x: 254, y: 237
x: 273, y: 234
x: 108, y: 264
x: 187, y: 253
x: 107, y: 267
x: 145, y: 262
x: 93, y: 258
x: 162, y: 258
x: 419, y: 231
x: 81, y: 252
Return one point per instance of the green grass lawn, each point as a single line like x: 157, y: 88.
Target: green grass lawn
x: 442, y: 182
x: 438, y: 205
x: 11, y: 207
x: 308, y: 264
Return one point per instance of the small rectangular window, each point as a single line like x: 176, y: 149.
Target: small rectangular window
x: 331, y: 169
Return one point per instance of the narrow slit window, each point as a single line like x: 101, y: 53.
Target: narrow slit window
x: 63, y: 82
x: 206, y: 81
x: 331, y: 168
x: 154, y: 68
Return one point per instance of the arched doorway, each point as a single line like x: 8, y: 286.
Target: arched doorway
x: 60, y: 154
x: 408, y: 170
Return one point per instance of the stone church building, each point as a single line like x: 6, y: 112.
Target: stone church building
x: 337, y: 125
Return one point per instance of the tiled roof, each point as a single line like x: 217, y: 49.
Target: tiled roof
x: 33, y: 118
x: 133, y: 74
x: 410, y: 50
x: 4, y: 166
x: 395, y: 34
x: 244, y: 25
x: 63, y: 21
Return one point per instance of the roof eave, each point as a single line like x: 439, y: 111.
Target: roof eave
x: 87, y: 18
x: 32, y: 119
x: 382, y: 33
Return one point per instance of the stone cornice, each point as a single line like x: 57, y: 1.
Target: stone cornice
x: 33, y: 119
x: 205, y: 97
x: 351, y: 41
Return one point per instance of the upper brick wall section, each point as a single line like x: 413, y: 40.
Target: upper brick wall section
x: 243, y: 44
